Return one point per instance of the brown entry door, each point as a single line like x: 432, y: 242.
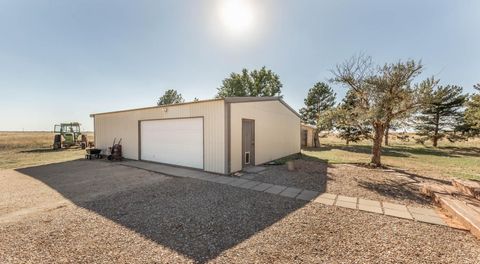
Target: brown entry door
x: 248, y: 142
x: 304, y: 138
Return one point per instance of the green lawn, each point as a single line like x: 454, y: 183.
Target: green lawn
x: 460, y: 159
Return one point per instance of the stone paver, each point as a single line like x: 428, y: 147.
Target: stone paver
x: 324, y: 200
x: 398, y: 213
x: 366, y: 202
x: 307, y: 195
x: 290, y: 192
x: 276, y: 189
x: 262, y: 187
x: 328, y: 196
x: 249, y: 184
x: 392, y: 206
x: 429, y: 219
x: 423, y: 211
x: 371, y: 208
x: 347, y: 199
x: 346, y: 204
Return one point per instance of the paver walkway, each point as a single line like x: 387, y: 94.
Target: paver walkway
x: 391, y: 209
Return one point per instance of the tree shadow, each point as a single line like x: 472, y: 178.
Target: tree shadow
x: 391, y: 151
x: 464, y: 151
x: 396, y: 190
x: 195, y: 218
x: 42, y: 150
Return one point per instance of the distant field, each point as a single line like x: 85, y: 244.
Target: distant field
x: 23, y: 149
x: 460, y: 159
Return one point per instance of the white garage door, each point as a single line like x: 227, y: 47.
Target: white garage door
x: 173, y: 141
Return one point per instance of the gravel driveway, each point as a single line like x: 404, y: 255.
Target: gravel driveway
x: 100, y: 212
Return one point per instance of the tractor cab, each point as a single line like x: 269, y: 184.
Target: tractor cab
x: 67, y: 135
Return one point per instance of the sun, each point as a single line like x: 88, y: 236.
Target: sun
x: 237, y: 16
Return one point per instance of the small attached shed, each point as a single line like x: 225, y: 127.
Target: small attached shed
x: 219, y: 135
x: 307, y: 135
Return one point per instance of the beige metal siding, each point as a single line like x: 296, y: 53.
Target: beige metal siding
x: 277, y: 131
x: 125, y: 125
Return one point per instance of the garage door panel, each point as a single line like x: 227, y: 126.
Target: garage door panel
x: 173, y: 141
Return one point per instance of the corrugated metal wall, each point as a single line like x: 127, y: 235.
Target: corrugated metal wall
x: 277, y: 131
x: 125, y: 125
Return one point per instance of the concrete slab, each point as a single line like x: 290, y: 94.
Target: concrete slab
x: 210, y: 178
x: 371, y: 208
x: 238, y: 182
x: 248, y: 176
x: 262, y: 187
x: 346, y: 204
x: 429, y: 219
x: 224, y: 180
x: 290, y: 192
x: 324, y: 201
x: 328, y: 196
x: 255, y: 169
x: 366, y: 202
x: 307, y: 195
x: 249, y: 184
x: 398, y: 213
x: 393, y: 206
x: 275, y: 189
x: 347, y: 199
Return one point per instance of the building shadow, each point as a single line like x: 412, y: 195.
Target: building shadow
x: 195, y: 218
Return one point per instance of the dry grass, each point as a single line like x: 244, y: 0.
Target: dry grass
x: 460, y: 159
x: 23, y: 149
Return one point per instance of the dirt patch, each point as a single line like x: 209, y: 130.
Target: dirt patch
x: 351, y: 180
x: 377, y: 184
x: 310, y: 175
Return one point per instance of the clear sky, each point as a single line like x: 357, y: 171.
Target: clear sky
x: 61, y: 60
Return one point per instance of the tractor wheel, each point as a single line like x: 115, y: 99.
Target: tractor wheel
x: 57, y: 142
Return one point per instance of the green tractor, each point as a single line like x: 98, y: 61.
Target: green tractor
x: 67, y: 135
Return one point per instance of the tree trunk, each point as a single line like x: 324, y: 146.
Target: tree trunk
x: 386, y: 134
x: 348, y: 141
x: 435, y: 134
x: 377, y: 143
x: 316, y: 140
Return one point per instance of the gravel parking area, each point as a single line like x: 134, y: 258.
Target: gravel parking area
x: 183, y: 220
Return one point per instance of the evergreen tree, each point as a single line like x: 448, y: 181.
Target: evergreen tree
x: 348, y: 129
x: 440, y: 112
x: 319, y: 100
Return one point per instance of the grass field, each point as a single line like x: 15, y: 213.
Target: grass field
x: 23, y: 149
x: 460, y: 159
